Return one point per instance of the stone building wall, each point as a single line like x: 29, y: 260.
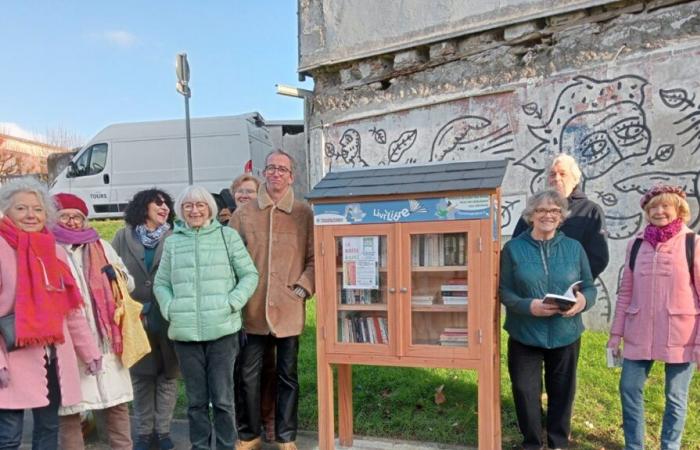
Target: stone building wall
x: 615, y: 86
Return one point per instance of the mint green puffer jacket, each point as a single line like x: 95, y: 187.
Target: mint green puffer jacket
x: 195, y: 288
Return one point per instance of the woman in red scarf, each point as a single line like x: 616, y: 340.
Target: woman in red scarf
x: 49, y: 326
x: 656, y: 315
x: 111, y: 389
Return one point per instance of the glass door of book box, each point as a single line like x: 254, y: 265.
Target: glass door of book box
x: 439, y: 288
x: 364, y: 289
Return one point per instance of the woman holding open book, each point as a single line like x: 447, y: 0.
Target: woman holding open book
x: 656, y: 314
x: 541, y: 330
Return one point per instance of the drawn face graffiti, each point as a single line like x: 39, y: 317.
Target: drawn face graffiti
x: 599, y: 122
x: 350, y: 146
x: 600, y: 140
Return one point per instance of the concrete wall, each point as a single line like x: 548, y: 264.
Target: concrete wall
x: 621, y: 95
x: 333, y: 31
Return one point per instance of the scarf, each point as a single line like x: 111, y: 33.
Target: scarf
x: 99, y: 286
x: 46, y: 291
x: 150, y: 239
x: 655, y: 235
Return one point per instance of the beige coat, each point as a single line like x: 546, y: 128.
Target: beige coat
x: 280, y: 240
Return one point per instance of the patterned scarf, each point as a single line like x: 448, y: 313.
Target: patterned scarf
x: 46, y: 291
x: 101, y: 297
x: 150, y: 239
x: 655, y: 235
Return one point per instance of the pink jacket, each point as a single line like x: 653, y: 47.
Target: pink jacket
x: 657, y: 309
x: 28, y: 388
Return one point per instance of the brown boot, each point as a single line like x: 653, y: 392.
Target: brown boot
x: 287, y: 446
x: 255, y: 444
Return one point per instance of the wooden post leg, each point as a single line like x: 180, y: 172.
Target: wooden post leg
x: 345, y: 404
x: 489, y: 406
x: 325, y: 405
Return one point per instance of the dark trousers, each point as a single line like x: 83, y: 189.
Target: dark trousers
x: 45, y: 432
x: 287, y: 400
x: 525, y: 369
x: 207, y: 369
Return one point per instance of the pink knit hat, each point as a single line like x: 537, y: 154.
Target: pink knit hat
x: 659, y: 189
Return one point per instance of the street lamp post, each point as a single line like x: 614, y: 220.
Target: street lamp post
x: 182, y: 69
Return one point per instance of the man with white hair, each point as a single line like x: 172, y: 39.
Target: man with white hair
x: 586, y: 222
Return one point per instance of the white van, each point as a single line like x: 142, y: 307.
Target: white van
x: 125, y: 158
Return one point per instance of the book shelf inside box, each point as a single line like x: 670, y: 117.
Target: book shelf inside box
x: 439, y: 289
x: 362, y: 313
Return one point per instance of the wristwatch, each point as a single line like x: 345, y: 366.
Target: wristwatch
x: 300, y: 291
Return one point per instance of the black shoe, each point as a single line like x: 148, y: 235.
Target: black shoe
x: 143, y: 442
x: 164, y: 442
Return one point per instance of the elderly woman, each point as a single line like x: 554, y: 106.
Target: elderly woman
x: 205, y: 278
x: 538, y: 262
x: 154, y: 378
x: 110, y: 390
x: 43, y: 324
x: 656, y: 314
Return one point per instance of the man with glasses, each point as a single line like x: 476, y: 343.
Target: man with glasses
x: 278, y: 231
x: 586, y: 221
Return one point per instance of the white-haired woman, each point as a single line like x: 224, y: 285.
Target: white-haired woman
x: 40, y: 304
x: 534, y: 264
x: 205, y: 278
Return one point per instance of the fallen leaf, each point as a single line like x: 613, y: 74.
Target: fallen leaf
x: 439, y: 395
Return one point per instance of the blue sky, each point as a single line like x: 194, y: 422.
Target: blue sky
x: 81, y: 65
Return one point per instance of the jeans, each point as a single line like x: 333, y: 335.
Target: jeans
x: 634, y: 376
x: 287, y: 400
x: 525, y: 368
x: 154, y: 403
x: 45, y: 432
x: 207, y: 369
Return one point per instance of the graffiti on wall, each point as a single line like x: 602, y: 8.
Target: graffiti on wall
x: 626, y: 133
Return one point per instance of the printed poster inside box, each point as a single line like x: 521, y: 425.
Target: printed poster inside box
x: 392, y: 211
x: 361, y: 262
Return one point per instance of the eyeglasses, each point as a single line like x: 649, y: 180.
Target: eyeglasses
x: 279, y: 169
x: 159, y: 201
x: 189, y: 206
x: 65, y: 218
x: 246, y: 191
x: 545, y: 211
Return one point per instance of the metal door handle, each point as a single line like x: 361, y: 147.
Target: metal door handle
x: 403, y: 289
x: 392, y: 290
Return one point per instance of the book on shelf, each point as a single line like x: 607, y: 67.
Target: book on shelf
x: 455, y: 300
x: 464, y: 293
x: 436, y: 250
x: 422, y: 299
x: 369, y: 329
x: 359, y: 296
x: 454, y: 336
x: 565, y: 301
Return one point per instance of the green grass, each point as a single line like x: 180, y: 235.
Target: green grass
x: 399, y: 403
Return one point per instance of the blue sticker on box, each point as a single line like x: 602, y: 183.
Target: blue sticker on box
x: 393, y: 211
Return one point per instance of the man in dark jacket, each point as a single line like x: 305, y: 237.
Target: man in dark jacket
x: 586, y: 222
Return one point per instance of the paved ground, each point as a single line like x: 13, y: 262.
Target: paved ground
x: 306, y: 440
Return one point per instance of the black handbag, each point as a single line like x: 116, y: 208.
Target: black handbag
x: 7, y: 329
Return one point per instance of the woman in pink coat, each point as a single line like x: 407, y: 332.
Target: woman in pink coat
x: 40, y: 309
x: 656, y: 315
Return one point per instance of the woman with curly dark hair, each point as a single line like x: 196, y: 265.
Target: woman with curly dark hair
x: 149, y: 218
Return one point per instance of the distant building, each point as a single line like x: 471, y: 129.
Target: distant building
x: 20, y: 156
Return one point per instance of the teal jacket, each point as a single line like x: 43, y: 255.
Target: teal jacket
x: 196, y: 291
x: 529, y: 270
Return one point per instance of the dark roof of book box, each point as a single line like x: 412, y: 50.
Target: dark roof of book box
x: 411, y: 179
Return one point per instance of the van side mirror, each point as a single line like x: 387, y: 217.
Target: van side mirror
x: 72, y: 170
